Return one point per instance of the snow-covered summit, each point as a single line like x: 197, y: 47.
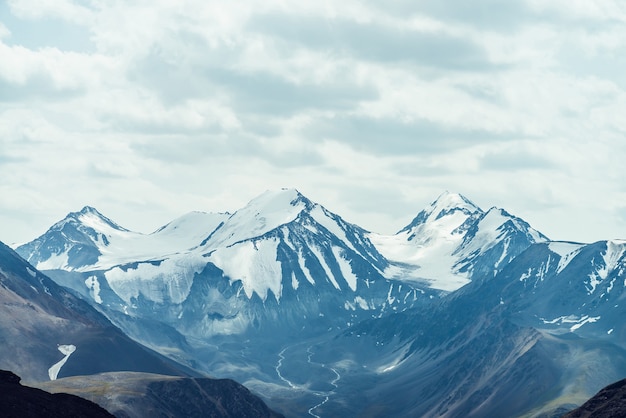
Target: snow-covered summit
x: 260, y: 216
x: 451, y: 206
x: 88, y: 240
x: 452, y: 239
x: 89, y: 218
x: 444, y: 245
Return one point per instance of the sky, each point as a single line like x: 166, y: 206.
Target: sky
x: 147, y: 110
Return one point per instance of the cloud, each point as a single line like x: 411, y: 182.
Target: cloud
x: 375, y: 42
x: 37, y: 87
x: 8, y: 159
x: 491, y: 15
x: 373, y: 109
x: 267, y: 93
x: 396, y: 137
x: 45, y: 33
x: 516, y: 160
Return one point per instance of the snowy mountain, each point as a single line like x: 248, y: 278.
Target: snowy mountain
x: 453, y: 241
x: 88, y: 240
x: 280, y: 256
x: 463, y: 312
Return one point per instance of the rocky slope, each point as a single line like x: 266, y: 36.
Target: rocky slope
x: 610, y: 402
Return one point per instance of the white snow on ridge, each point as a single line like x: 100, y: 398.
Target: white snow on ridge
x: 178, y: 236
x: 92, y: 219
x: 613, y: 255
x: 615, y: 251
x: 327, y: 270
x: 487, y: 233
x: 67, y: 350
x: 305, y: 270
x: 254, y: 263
x: 93, y: 285
x: 261, y: 215
x: 54, y: 262
x: 566, y: 250
x: 584, y: 320
x: 572, y: 319
x: 428, y: 256
x: 330, y: 224
x: 430, y: 251
x: 346, y: 268
x: 171, y: 280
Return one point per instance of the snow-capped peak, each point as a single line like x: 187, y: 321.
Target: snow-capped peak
x: 453, y: 201
x: 445, y: 205
x: 261, y: 215
x: 89, y: 217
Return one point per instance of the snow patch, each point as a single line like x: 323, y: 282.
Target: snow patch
x: 526, y: 275
x: 305, y: 270
x: 66, y: 350
x: 321, y: 217
x: 294, y: 281
x: 55, y: 262
x: 346, y: 268
x: 362, y: 303
x: 584, y: 320
x: 572, y: 319
x: 430, y: 260
x: 566, y: 250
x: 327, y: 270
x: 169, y: 281
x: 93, y: 285
x: 261, y: 215
x: 254, y: 263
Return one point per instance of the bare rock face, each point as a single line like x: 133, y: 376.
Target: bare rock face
x: 610, y: 402
x: 17, y: 401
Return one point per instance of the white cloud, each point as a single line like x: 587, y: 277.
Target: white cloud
x: 169, y: 106
x: 40, y: 9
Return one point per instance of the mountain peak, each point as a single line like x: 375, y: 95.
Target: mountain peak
x: 280, y: 197
x: 262, y: 214
x: 89, y: 210
x: 445, y: 205
x: 448, y: 202
x: 91, y: 217
x: 278, y: 201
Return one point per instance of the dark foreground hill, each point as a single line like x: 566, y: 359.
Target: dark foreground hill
x: 136, y: 395
x: 17, y: 401
x: 610, y: 402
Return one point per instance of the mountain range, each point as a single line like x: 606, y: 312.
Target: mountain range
x: 463, y: 312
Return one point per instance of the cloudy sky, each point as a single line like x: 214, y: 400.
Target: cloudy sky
x: 148, y: 109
